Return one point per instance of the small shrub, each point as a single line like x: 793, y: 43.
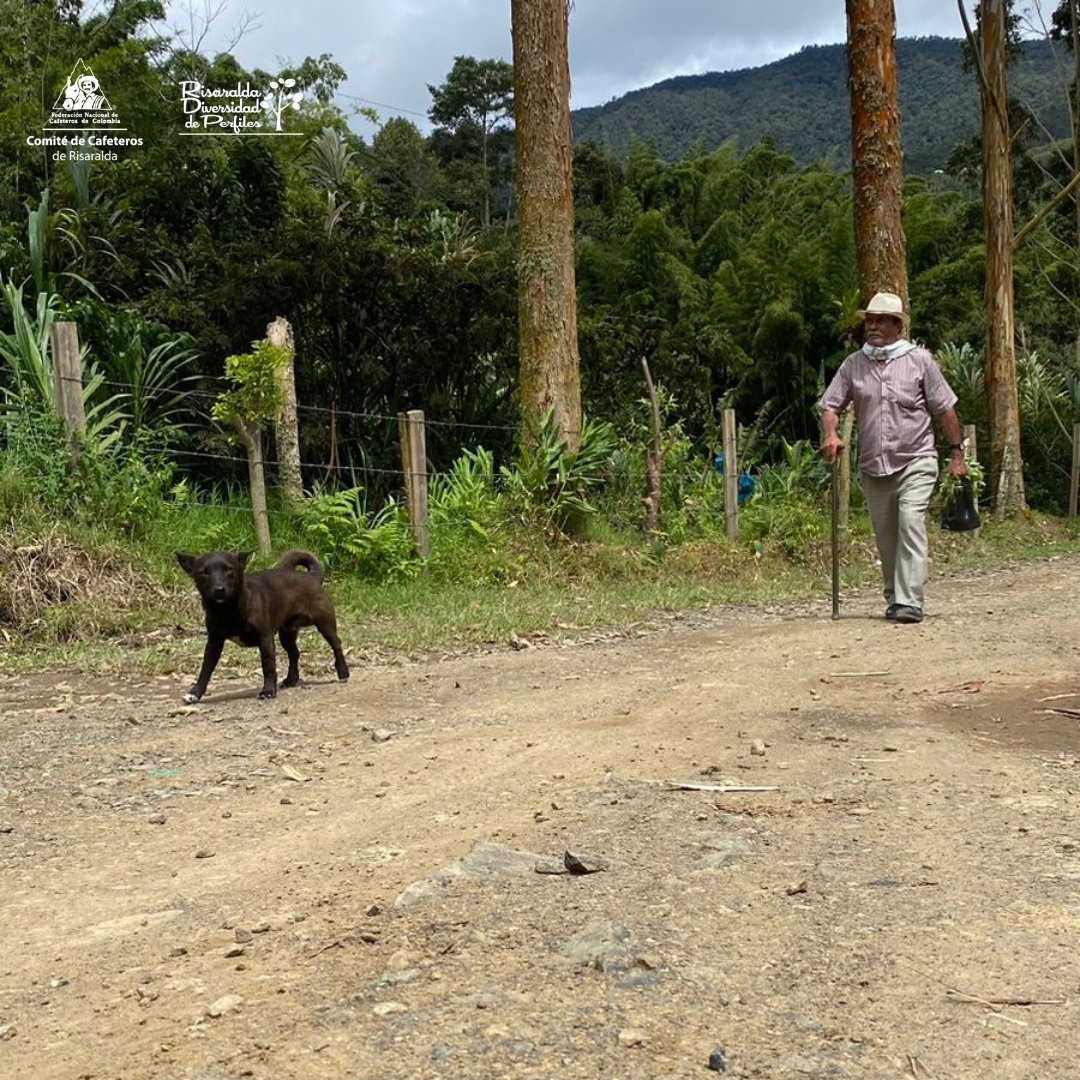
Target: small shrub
x: 550, y: 485
x: 789, y: 525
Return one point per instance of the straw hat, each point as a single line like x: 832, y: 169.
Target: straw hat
x: 884, y: 303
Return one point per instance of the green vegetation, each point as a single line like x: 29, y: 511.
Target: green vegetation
x: 88, y: 578
x: 731, y: 270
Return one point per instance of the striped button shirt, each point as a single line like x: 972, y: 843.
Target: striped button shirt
x: 894, y: 401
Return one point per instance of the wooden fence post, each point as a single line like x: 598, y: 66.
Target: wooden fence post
x: 67, y: 382
x: 1074, y: 480
x: 970, y: 446
x: 279, y: 333
x: 414, y: 465
x: 971, y: 453
x: 251, y: 434
x: 654, y: 459
x: 731, y: 477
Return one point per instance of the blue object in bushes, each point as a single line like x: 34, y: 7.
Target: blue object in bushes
x: 747, y: 484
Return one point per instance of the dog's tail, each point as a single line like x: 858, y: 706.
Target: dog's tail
x: 295, y: 558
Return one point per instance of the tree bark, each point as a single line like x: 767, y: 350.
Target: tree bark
x: 1003, y: 408
x: 876, y: 154
x: 1074, y: 35
x: 547, y: 301
x: 877, y: 174
x: 252, y: 439
x: 286, y: 426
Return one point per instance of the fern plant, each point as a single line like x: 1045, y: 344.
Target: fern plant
x: 381, y: 546
x: 465, y: 495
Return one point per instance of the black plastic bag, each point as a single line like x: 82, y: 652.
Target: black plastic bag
x: 960, y: 513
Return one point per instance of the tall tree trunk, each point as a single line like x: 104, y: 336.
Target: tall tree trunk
x: 287, y: 430
x: 1003, y: 408
x: 547, y: 302
x: 876, y: 155
x: 1074, y: 34
x: 877, y: 173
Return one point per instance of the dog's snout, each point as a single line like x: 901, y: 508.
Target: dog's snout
x: 218, y: 592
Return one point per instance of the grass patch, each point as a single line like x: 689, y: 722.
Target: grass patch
x: 132, y: 610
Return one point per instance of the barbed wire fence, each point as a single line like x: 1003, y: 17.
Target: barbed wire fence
x: 348, y: 461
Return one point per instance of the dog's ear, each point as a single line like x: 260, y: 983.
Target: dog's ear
x: 187, y: 563
x: 242, y: 558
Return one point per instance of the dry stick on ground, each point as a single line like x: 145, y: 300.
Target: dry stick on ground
x: 915, y: 1065
x: 856, y: 674
x: 338, y: 944
x: 997, y: 1003
x: 693, y: 785
x: 991, y: 1003
x: 654, y: 459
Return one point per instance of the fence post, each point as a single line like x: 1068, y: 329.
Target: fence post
x: 251, y: 434
x: 971, y: 452
x: 731, y: 477
x: 414, y: 465
x: 67, y: 382
x: 970, y: 447
x: 1074, y: 480
x: 279, y: 333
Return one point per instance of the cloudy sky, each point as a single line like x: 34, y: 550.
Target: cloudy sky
x: 392, y: 49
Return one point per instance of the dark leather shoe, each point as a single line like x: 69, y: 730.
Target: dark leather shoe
x: 905, y: 614
x: 890, y: 612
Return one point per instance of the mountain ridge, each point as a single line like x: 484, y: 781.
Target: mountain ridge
x: 801, y: 103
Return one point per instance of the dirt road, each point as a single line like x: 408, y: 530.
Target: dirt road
x: 246, y: 889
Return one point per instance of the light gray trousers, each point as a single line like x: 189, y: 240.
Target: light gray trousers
x: 897, y: 506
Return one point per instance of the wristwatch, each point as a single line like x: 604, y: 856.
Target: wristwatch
x: 956, y: 446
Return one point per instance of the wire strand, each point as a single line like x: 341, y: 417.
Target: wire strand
x: 333, y: 410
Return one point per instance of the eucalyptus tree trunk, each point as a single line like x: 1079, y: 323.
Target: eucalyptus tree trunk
x: 877, y: 173
x: 1074, y: 37
x: 877, y: 168
x: 547, y: 301
x: 1003, y: 408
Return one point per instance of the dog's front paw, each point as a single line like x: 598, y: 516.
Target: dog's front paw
x: 267, y: 692
x: 191, y: 697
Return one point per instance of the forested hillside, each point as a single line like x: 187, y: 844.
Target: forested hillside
x: 801, y: 103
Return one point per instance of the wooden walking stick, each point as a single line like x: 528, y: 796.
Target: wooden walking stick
x: 836, y: 537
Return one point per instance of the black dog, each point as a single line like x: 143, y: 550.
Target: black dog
x: 251, y: 608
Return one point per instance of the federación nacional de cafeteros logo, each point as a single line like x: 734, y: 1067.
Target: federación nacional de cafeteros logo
x: 82, y: 104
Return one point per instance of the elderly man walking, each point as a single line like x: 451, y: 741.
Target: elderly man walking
x: 895, y: 389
